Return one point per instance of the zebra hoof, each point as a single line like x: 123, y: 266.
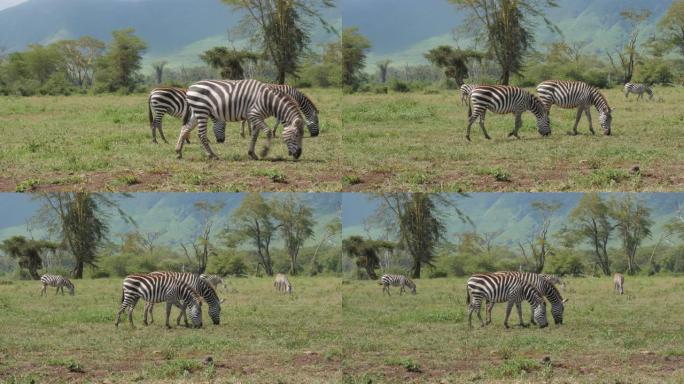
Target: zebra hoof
x: 524, y: 325
x: 263, y: 153
x: 487, y: 137
x: 468, y: 138
x: 252, y: 155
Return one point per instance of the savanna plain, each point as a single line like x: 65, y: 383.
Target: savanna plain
x: 416, y: 142
x: 104, y: 143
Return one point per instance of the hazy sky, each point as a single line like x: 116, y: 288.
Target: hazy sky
x: 9, y: 3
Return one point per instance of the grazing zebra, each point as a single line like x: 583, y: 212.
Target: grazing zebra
x: 238, y: 100
x: 576, y: 94
x: 201, y: 286
x: 506, y: 99
x: 465, y: 92
x: 56, y: 281
x: 172, y: 101
x: 282, y: 284
x: 307, y: 107
x: 158, y: 288
x: 498, y: 288
x: 619, y: 282
x: 397, y: 281
x: 543, y: 284
x: 214, y: 280
x: 553, y: 279
x: 638, y: 89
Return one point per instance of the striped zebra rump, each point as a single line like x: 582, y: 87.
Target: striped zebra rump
x: 504, y: 99
x: 466, y: 89
x: 173, y: 102
x: 201, y: 286
x: 56, y: 281
x: 639, y: 90
x: 619, y: 283
x: 577, y: 94
x: 239, y: 100
x: 402, y: 281
x: 497, y: 288
x: 158, y: 288
x: 544, y: 284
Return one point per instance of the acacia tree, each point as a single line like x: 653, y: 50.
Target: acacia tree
x: 589, y: 222
x: 629, y: 53
x: 365, y: 252
x: 201, y: 245
x: 354, y: 47
x: 633, y: 223
x: 118, y: 68
x: 282, y: 28
x: 253, y: 222
x: 332, y: 229
x: 80, y: 57
x: 81, y: 219
x: 383, y: 66
x: 453, y: 60
x: 671, y: 26
x: 230, y: 62
x: 295, y: 223
x: 27, y: 252
x: 159, y: 70
x: 507, y: 27
x: 538, y: 244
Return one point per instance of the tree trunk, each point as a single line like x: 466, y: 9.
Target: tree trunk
x: 34, y: 274
x: 78, y: 270
x: 371, y: 272
x: 505, y: 76
x: 416, y: 270
x: 281, y: 76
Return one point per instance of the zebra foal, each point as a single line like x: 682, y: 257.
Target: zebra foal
x: 282, y: 284
x: 238, y: 100
x: 494, y: 288
x: 56, y: 281
x: 504, y: 99
x: 396, y: 281
x: 158, y: 288
x: 580, y: 95
x: 639, y: 90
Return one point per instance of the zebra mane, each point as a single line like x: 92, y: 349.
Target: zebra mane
x: 599, y: 100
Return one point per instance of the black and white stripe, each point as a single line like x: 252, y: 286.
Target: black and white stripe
x: 236, y: 100
x: 466, y: 89
x: 172, y: 101
x: 499, y: 288
x: 397, y: 281
x: 282, y: 284
x: 214, y: 280
x: 158, y: 288
x: 638, y: 89
x: 56, y: 281
x: 580, y: 95
x: 506, y: 99
x: 305, y: 104
x: 200, y: 285
x: 543, y: 284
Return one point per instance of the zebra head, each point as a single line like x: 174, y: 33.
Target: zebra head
x: 71, y: 288
x: 541, y: 112
x: 412, y: 285
x: 215, y: 313
x: 557, y: 310
x: 196, y: 312
x: 292, y: 136
x: 289, y: 288
x: 605, y: 119
x: 540, y: 314
x: 313, y: 125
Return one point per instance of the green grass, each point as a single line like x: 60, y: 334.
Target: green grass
x: 263, y: 336
x: 416, y: 142
x: 98, y: 142
x: 420, y: 338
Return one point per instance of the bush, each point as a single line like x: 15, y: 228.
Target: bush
x: 565, y: 264
x: 400, y: 86
x: 228, y: 265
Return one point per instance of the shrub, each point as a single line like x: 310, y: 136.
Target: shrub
x: 565, y: 264
x: 400, y: 86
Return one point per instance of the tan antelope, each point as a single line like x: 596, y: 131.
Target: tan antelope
x: 281, y: 283
x: 619, y: 282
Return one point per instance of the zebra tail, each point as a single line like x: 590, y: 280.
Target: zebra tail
x: 470, y: 108
x: 122, y: 297
x: 186, y: 117
x: 149, y: 111
x: 467, y: 296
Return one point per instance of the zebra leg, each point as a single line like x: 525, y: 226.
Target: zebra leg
x: 202, y: 122
x: 488, y: 313
x: 591, y: 127
x: 484, y: 131
x: 184, y: 134
x: 118, y: 315
x: 518, y: 124
x: 168, y: 313
x: 518, y: 307
x: 401, y: 291
x: 43, y: 290
x: 577, y: 119
x: 158, y: 125
x: 267, y: 146
x: 275, y: 128
x: 255, y: 134
x: 130, y: 316
x: 509, y: 306
x: 146, y: 310
x: 471, y: 120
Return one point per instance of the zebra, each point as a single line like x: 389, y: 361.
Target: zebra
x: 497, y: 288
x: 158, y: 288
x: 638, y: 89
x: 553, y: 279
x: 56, y: 281
x: 619, y: 283
x: 396, y: 281
x: 506, y: 99
x: 543, y: 284
x: 214, y: 280
x: 172, y: 101
x: 307, y: 107
x: 580, y: 95
x: 465, y: 92
x: 204, y: 289
x: 282, y: 284
x: 235, y: 100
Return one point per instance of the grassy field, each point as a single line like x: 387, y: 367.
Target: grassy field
x: 263, y: 336
x: 635, y: 338
x: 416, y: 142
x: 104, y: 143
